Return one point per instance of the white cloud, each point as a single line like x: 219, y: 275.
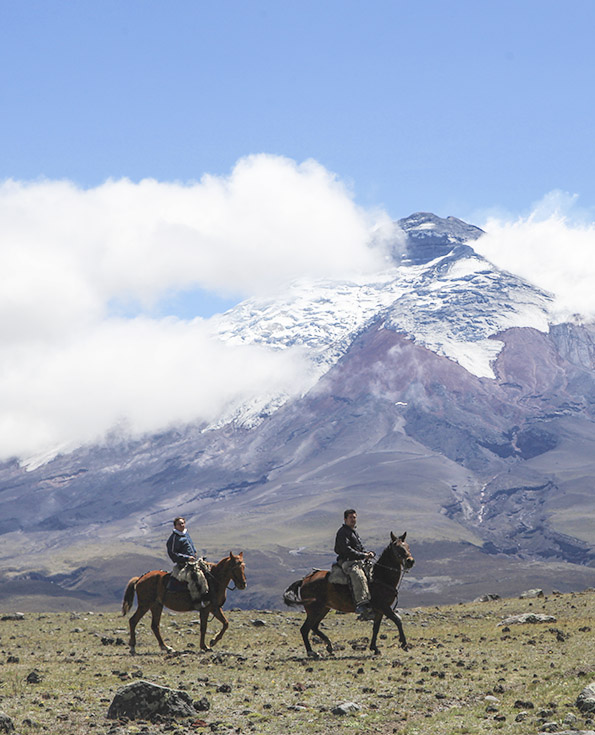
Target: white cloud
x: 553, y: 248
x: 70, y: 372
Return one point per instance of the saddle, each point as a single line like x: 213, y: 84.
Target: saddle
x: 338, y: 576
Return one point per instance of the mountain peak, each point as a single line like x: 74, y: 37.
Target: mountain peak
x: 429, y: 236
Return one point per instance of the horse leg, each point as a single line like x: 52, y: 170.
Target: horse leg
x: 375, y: 629
x: 204, y: 619
x: 316, y: 630
x: 313, y: 616
x: 132, y: 623
x: 392, y: 615
x: 156, y: 610
x: 218, y: 613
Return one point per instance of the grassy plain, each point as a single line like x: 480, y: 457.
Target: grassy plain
x: 60, y: 671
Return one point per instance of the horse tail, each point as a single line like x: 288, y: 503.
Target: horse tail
x: 129, y: 595
x: 292, y: 595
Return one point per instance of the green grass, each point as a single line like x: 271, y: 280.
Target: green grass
x: 458, y: 656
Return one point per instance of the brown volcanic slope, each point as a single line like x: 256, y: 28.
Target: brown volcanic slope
x: 492, y: 479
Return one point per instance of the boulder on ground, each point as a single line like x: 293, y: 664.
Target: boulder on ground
x: 528, y: 618
x: 6, y: 724
x: 487, y: 597
x: 143, y: 700
x: 529, y: 594
x: 346, y: 708
x: 586, y: 699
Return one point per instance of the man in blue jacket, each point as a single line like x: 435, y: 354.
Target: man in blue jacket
x: 351, y: 556
x: 187, y: 565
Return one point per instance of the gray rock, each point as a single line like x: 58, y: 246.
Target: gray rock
x: 487, y: 597
x: 144, y: 701
x: 6, y: 724
x: 14, y: 616
x: 347, y: 708
x: 528, y: 618
x: 529, y: 594
x: 569, y: 732
x: 586, y: 699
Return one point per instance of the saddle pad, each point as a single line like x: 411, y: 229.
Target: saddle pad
x: 337, y: 575
x: 175, y: 585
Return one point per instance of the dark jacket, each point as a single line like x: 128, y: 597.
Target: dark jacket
x: 180, y: 548
x: 348, y: 545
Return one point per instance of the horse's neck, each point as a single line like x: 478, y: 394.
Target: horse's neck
x: 222, y: 572
x: 387, y: 570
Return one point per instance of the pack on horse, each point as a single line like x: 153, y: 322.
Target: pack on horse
x: 318, y: 595
x: 152, y: 594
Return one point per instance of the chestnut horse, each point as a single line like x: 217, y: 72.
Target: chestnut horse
x: 152, y: 594
x: 318, y: 595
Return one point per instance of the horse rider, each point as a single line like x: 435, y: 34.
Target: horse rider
x: 182, y: 551
x: 350, y: 557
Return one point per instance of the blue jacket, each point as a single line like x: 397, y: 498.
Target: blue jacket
x: 180, y: 547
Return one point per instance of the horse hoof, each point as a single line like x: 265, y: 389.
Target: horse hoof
x: 376, y: 651
x: 313, y: 654
x: 212, y: 643
x: 133, y: 651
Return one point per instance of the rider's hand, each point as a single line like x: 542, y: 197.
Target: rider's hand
x: 370, y: 554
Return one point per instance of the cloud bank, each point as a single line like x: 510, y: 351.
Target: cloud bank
x: 553, y: 247
x: 70, y: 371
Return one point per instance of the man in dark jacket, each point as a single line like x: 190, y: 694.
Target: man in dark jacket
x: 351, y: 556
x: 187, y: 566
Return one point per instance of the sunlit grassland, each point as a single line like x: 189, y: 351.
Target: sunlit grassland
x: 459, y: 655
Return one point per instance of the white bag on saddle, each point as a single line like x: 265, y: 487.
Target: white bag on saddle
x: 194, y: 576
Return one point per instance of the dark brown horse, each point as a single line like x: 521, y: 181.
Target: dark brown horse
x: 318, y: 595
x: 152, y: 594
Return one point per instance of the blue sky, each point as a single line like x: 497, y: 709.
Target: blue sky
x: 161, y: 161
x: 453, y: 107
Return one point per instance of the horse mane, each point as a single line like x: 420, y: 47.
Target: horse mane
x: 383, y: 566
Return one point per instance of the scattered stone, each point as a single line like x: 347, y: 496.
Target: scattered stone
x: 257, y: 623
x: 528, y: 618
x: 6, y: 724
x: 34, y: 677
x: 12, y: 660
x: 521, y: 716
x: 13, y: 616
x: 524, y: 704
x: 530, y: 594
x: 347, y: 708
x: 202, y: 704
x: 487, y: 597
x: 224, y: 688
x: 143, y: 700
x: 586, y: 699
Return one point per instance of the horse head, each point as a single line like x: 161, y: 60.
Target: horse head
x: 238, y: 569
x: 401, y: 549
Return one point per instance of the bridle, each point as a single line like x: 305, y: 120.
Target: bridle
x: 241, y: 565
x: 400, y: 568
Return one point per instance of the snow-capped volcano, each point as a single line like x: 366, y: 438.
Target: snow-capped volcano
x: 436, y: 290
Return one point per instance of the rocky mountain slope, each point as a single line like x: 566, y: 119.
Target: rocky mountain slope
x: 443, y: 401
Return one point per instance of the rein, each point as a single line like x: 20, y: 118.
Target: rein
x: 403, y: 572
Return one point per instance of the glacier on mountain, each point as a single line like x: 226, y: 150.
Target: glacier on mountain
x: 454, y: 304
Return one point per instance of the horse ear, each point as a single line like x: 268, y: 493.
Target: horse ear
x: 241, y: 555
x: 393, y: 538
x: 403, y: 537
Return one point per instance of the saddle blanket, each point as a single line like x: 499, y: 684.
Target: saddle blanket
x: 337, y: 575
